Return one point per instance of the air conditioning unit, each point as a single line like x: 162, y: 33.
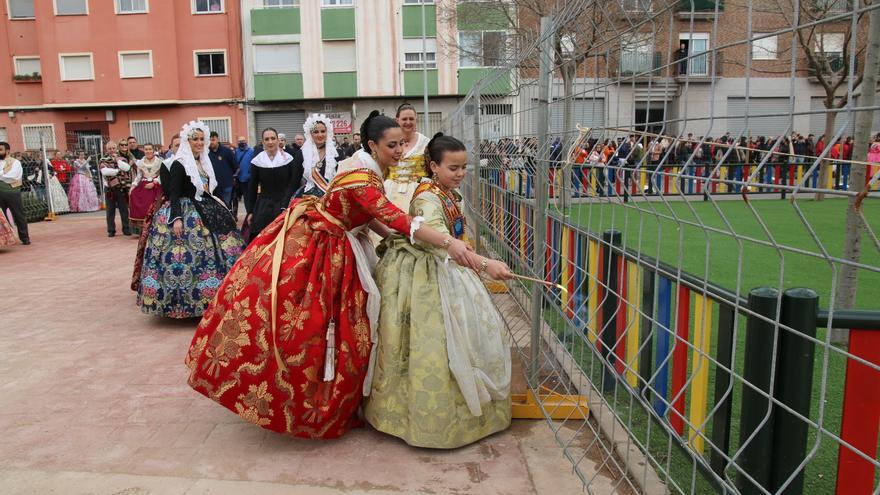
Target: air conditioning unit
x: 110, y: 116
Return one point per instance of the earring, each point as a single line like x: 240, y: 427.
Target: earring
x: 434, y: 176
x: 375, y: 155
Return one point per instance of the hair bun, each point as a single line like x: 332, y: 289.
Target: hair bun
x: 439, y: 134
x: 374, y: 113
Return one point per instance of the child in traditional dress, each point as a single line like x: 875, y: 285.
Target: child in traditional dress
x: 442, y: 377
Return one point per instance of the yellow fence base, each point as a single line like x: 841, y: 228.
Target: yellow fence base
x: 50, y: 217
x: 558, y: 406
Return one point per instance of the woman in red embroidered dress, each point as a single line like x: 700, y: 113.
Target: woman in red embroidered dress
x: 286, y: 344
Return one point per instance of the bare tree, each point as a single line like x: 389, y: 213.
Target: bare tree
x: 830, y: 67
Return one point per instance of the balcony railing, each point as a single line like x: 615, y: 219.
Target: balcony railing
x: 700, y: 9
x: 641, y: 64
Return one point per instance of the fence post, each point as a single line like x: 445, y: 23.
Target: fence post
x: 646, y: 353
x: 477, y: 192
x: 545, y: 67
x: 46, y: 190
x: 794, y: 386
x: 756, y: 421
x: 610, y: 305
x: 723, y: 389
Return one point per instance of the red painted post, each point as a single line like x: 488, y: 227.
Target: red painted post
x: 620, y: 331
x: 679, y: 358
x: 861, y: 414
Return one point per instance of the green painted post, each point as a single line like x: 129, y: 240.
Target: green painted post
x: 756, y: 415
x: 794, y: 387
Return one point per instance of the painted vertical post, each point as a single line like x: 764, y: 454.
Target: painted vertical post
x: 700, y: 358
x: 860, y: 426
x: 756, y: 415
x: 723, y: 389
x: 621, y: 313
x: 593, y: 291
x: 664, y: 332
x: 679, y: 358
x: 794, y: 387
x: 610, y: 306
x: 633, y: 339
x: 645, y: 357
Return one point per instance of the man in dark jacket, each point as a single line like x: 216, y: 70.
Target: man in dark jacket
x: 223, y: 160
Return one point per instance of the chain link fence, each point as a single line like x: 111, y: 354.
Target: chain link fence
x: 697, y: 185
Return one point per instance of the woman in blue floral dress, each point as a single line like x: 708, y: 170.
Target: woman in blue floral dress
x: 192, y: 240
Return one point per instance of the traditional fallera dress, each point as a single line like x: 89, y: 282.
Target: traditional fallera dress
x: 287, y: 342
x: 141, y: 197
x: 7, y: 232
x: 405, y: 176
x: 270, y: 187
x: 442, y: 377
x: 318, y: 172
x: 60, y: 203
x: 179, y: 276
x: 81, y: 192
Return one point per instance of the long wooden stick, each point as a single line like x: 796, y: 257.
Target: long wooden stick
x: 548, y: 284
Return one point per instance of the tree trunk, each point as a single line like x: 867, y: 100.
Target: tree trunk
x: 568, y: 71
x: 823, y: 182
x: 847, y: 281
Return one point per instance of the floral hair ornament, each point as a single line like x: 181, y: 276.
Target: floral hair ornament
x: 192, y: 127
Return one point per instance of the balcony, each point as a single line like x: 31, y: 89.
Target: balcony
x: 835, y: 68
x: 699, y: 9
x: 275, y: 21
x: 27, y: 78
x: 699, y: 68
x: 641, y: 65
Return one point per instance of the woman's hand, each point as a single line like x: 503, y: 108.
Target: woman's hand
x: 177, y: 227
x: 458, y: 251
x: 150, y: 185
x: 498, y: 270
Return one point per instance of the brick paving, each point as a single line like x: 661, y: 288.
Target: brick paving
x: 94, y: 400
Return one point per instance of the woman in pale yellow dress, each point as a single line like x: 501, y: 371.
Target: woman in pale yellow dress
x: 405, y: 177
x: 442, y: 376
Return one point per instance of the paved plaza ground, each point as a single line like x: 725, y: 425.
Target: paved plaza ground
x: 94, y: 400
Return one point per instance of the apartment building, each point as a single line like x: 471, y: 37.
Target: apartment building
x: 348, y: 57
x: 687, y: 66
x: 77, y: 69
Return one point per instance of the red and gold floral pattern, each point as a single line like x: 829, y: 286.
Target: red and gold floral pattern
x: 232, y: 355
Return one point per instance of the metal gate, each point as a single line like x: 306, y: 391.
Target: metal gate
x: 290, y: 122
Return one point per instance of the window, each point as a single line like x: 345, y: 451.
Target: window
x: 207, y: 6
x: 481, y: 48
x: 147, y: 131
x: 135, y: 64
x: 220, y: 125
x: 275, y: 59
x: 76, y: 67
x: 414, y: 61
x: 827, y: 6
x: 764, y: 48
x: 21, y: 9
x: 280, y: 3
x: 340, y: 56
x: 71, y: 7
x: 412, y: 50
x: 434, y: 118
x: 637, y: 5
x: 132, y: 6
x: 211, y: 63
x: 831, y: 45
x: 27, y: 66
x: 336, y: 3
x: 3, y: 135
x: 697, y: 43
x: 37, y: 135
x: 637, y: 55
x: 418, y: 2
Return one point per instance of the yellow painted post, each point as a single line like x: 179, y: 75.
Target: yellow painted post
x: 643, y: 179
x: 593, y: 295
x: 673, y: 181
x: 800, y: 174
x: 633, y: 318
x: 700, y: 362
x: 593, y: 183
